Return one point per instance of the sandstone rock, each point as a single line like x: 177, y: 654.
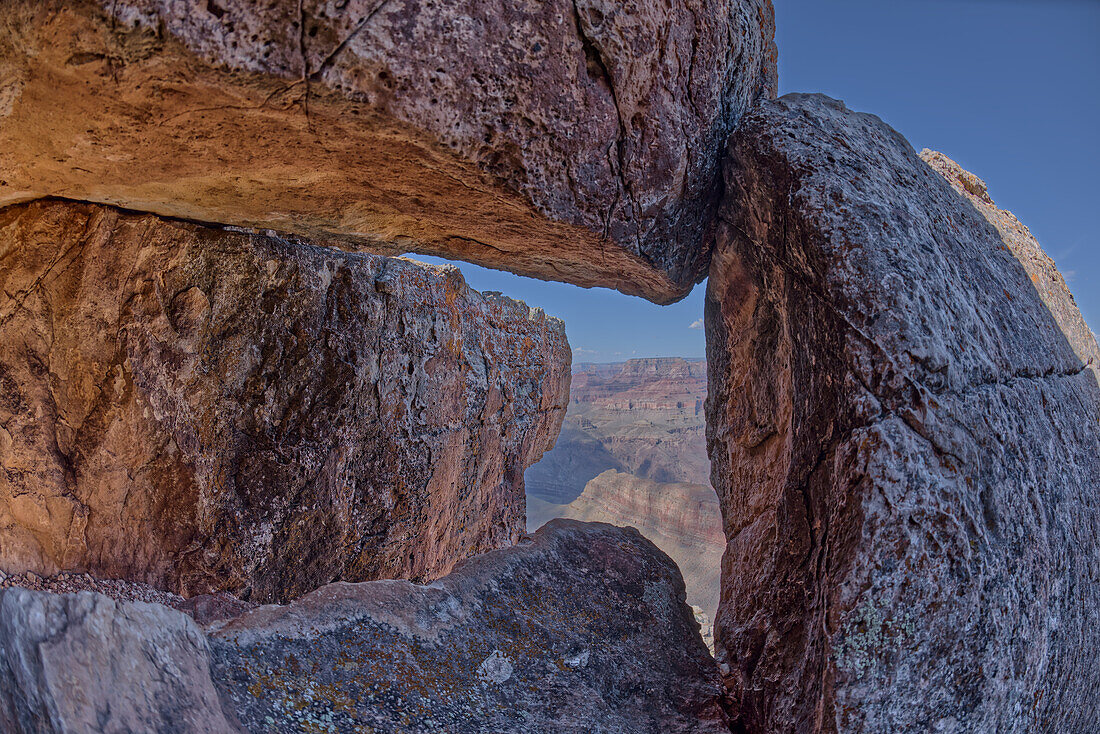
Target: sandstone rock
x: 681, y: 519
x: 906, y: 442
x: 207, y: 410
x: 494, y: 647
x: 572, y: 140
x: 643, y: 417
x: 82, y: 663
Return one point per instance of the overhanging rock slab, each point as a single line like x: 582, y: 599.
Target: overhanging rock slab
x: 573, y: 140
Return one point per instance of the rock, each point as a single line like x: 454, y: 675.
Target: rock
x: 1044, y: 275
x: 681, y: 519
x: 206, y: 410
x: 643, y: 417
x: 905, y: 441
x: 571, y: 140
x: 84, y: 663
x: 495, y: 646
x: 209, y: 608
x: 71, y: 583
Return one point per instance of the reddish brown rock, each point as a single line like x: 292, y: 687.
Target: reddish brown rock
x: 905, y: 436
x: 572, y: 140
x: 205, y: 410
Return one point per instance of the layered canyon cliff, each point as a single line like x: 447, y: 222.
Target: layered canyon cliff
x: 681, y: 519
x: 642, y: 417
x: 208, y: 410
x: 632, y: 452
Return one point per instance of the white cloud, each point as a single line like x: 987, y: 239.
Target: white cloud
x: 696, y: 324
x: 582, y: 350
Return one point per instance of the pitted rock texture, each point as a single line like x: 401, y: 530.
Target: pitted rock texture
x: 571, y: 140
x: 1046, y: 279
x: 906, y: 443
x: 83, y: 663
x: 206, y: 410
x: 497, y: 646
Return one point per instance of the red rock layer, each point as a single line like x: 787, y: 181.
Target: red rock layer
x: 204, y: 410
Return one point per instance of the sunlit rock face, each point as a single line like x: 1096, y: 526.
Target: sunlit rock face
x: 495, y: 646
x: 572, y: 140
x: 905, y: 439
x: 203, y: 409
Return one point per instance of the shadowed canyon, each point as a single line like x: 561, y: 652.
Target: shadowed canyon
x: 259, y: 474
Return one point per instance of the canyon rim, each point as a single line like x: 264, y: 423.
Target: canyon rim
x: 221, y: 392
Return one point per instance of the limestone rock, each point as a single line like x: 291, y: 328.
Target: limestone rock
x: 496, y: 646
x: 572, y: 140
x: 82, y: 663
x: 681, y: 519
x: 207, y: 410
x: 906, y: 442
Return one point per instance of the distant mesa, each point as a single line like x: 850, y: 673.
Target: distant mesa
x: 643, y: 417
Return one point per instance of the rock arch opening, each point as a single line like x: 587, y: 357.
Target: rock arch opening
x: 901, y: 410
x: 632, y: 448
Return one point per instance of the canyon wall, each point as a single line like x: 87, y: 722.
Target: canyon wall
x: 903, y: 423
x: 571, y: 140
x: 902, y: 408
x: 643, y: 417
x: 681, y: 519
x: 494, y: 646
x: 203, y: 409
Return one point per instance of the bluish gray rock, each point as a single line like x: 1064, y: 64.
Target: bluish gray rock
x: 905, y: 436
x: 84, y: 664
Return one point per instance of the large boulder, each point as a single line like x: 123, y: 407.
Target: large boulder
x: 573, y: 140
x: 493, y: 647
x: 203, y: 409
x: 497, y: 646
x: 83, y: 663
x: 906, y: 441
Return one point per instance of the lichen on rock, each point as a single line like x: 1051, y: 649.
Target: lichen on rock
x: 573, y: 140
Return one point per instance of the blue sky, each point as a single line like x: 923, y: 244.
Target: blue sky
x: 1008, y: 88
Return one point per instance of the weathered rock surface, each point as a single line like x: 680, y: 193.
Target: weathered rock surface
x: 643, y: 417
x: 571, y: 140
x: 906, y: 442
x: 495, y: 646
x: 681, y: 519
x: 205, y: 410
x: 1045, y: 278
x: 82, y: 663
